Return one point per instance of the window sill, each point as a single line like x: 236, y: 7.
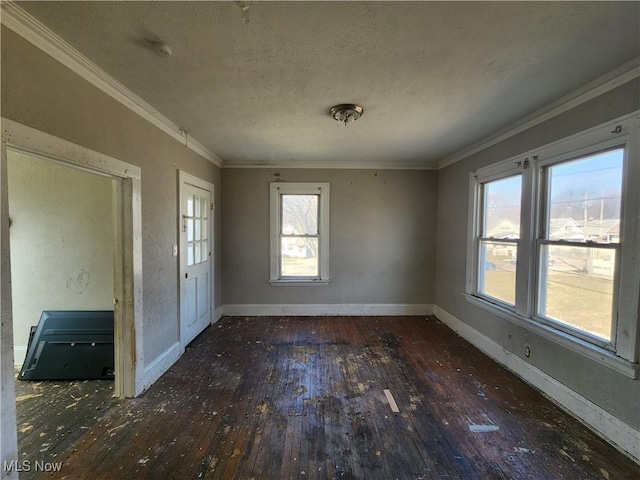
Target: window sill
x: 299, y: 283
x: 593, y: 352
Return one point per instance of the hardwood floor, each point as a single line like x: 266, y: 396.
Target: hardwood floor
x: 280, y: 398
x: 52, y: 416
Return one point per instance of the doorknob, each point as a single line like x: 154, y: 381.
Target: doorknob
x: 186, y: 275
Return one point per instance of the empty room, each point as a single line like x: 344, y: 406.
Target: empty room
x: 320, y: 240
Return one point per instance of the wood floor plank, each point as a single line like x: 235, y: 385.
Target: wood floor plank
x: 303, y: 398
x: 53, y: 415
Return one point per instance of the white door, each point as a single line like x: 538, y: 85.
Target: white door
x: 195, y: 262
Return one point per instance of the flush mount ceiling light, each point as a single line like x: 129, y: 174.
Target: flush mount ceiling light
x: 161, y: 49
x: 346, y: 112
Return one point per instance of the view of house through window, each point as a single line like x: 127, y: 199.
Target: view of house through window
x: 299, y: 235
x: 552, y: 241
x: 500, y: 231
x: 299, y: 243
x: 581, y: 241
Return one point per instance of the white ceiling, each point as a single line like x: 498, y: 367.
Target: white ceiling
x: 433, y: 77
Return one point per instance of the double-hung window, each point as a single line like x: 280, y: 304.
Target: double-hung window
x: 497, y: 242
x: 299, y: 233
x: 579, y: 244
x: 554, y: 242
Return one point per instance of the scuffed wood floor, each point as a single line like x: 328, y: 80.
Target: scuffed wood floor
x: 280, y: 398
x: 52, y: 416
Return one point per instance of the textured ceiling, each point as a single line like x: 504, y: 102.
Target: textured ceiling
x: 433, y: 77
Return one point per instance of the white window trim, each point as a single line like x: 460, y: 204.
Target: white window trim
x: 493, y: 173
x: 306, y: 188
x: 622, y: 353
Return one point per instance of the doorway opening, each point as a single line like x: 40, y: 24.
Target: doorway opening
x: 61, y: 230
x: 62, y: 242
x: 118, y: 185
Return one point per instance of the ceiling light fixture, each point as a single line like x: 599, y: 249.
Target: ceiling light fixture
x: 346, y: 112
x: 161, y: 49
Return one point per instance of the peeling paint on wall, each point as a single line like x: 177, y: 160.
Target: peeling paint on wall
x: 79, y: 282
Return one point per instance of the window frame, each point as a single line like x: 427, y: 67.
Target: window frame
x: 621, y: 353
x: 481, y: 181
x: 277, y: 190
x: 542, y: 239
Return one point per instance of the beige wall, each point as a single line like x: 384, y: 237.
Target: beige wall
x: 387, y: 227
x: 608, y: 389
x: 382, y: 242
x: 61, y: 242
x: 43, y: 94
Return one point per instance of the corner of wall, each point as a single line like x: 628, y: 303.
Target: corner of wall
x: 160, y: 365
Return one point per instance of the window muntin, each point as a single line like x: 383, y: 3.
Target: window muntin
x: 613, y: 343
x: 197, y: 228
x: 499, y: 222
x: 299, y: 233
x: 580, y: 242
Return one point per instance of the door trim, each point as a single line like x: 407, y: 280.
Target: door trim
x: 128, y: 332
x: 185, y: 178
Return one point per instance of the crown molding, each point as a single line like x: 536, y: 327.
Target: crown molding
x: 20, y: 22
x: 336, y: 165
x: 621, y: 75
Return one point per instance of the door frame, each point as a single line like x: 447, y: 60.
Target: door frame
x: 185, y: 178
x: 128, y: 312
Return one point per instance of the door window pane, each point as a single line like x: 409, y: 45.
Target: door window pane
x: 204, y: 251
x: 190, y: 205
x: 299, y: 257
x: 197, y: 252
x: 203, y: 208
x: 576, y: 287
x: 190, y: 259
x: 584, y: 199
x: 190, y: 230
x: 497, y: 270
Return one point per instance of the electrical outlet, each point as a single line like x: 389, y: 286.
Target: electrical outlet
x: 527, y: 351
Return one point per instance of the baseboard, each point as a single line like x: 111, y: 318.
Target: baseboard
x: 19, y: 354
x: 612, y: 429
x: 306, y: 310
x: 155, y: 369
x: 217, y: 314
